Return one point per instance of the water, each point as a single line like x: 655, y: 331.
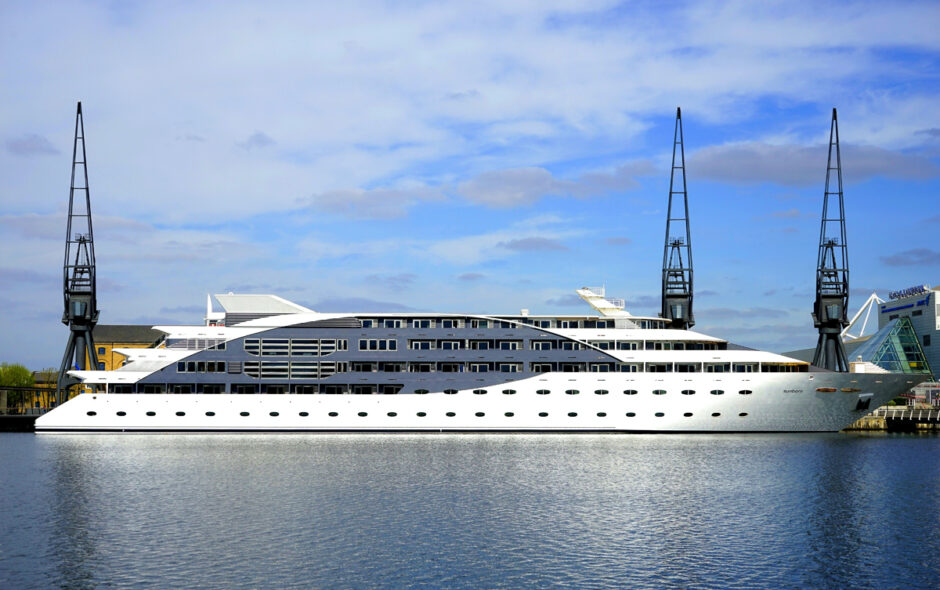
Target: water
x: 489, y: 511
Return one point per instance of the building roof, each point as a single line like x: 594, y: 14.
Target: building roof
x: 125, y: 334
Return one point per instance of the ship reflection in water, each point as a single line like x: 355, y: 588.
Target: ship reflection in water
x: 821, y: 511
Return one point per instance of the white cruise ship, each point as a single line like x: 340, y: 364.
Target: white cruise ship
x: 266, y: 364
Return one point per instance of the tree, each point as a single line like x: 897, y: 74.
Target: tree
x: 16, y: 376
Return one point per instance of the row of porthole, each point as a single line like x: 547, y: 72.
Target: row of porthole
x: 596, y: 391
x: 423, y: 414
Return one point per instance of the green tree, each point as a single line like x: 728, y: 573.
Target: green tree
x: 16, y: 376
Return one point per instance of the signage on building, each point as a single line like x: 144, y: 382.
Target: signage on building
x: 909, y: 292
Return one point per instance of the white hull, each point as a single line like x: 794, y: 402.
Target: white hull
x: 778, y: 403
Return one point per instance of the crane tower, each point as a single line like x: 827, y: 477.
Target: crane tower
x: 78, y: 271
x: 677, y: 254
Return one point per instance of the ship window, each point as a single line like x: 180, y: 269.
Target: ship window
x: 688, y: 392
x: 274, y: 414
x: 543, y: 414
x: 631, y: 414
x: 629, y: 392
x: 716, y: 414
x: 368, y: 323
x: 392, y: 414
x: 450, y: 324
x: 602, y: 414
x: 210, y: 414
x: 421, y: 391
x: 334, y: 414
x: 422, y: 324
x: 243, y: 413
x: 544, y: 391
x: 479, y: 323
x: 717, y: 392
x: 450, y: 391
x: 572, y: 414
x: 422, y: 414
x: 480, y: 414
x: 509, y: 391
x: 745, y: 392
x: 601, y: 392
x: 92, y: 413
x: 181, y: 413
x: 742, y: 414
x: 479, y: 391
x: 151, y: 413
x: 509, y: 414
x: 363, y: 414
x: 391, y: 323
x: 659, y: 392
x: 122, y: 413
x: 659, y: 414
x: 688, y: 414
x: 304, y: 414
x: 451, y: 414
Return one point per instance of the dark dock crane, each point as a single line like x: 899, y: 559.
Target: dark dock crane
x: 78, y: 271
x: 677, y: 254
x: 832, y: 266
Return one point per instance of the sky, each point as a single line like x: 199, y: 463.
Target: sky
x: 470, y: 157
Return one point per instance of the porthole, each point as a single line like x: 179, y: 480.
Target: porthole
x: 274, y: 414
x: 742, y: 414
x: 572, y: 414
x: 717, y: 392
x: 333, y: 414
x: 745, y: 392
x: 451, y: 414
x: 181, y: 413
x: 122, y: 413
x: 629, y: 392
x: 659, y: 392
x: 716, y: 414
x: 602, y: 414
x: 631, y: 414
x: 659, y: 414
x: 543, y: 392
x: 480, y: 414
x: 509, y: 414
x: 450, y: 391
x: 363, y: 414
x: 688, y: 414
x: 422, y: 414
x: 392, y: 414
x: 509, y: 391
x: 151, y: 413
x: 479, y: 391
x: 601, y: 392
x: 688, y: 392
x: 304, y: 414
x: 572, y: 392
x: 244, y: 413
x: 543, y: 414
x: 421, y: 391
x: 92, y: 413
x: 210, y: 414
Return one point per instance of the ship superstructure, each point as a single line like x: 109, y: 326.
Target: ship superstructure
x: 267, y: 364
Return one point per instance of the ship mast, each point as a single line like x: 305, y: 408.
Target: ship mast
x: 677, y: 254
x: 78, y: 271
x: 832, y: 266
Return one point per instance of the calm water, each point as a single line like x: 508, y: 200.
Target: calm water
x: 225, y: 511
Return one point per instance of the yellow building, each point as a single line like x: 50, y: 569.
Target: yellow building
x: 109, y: 337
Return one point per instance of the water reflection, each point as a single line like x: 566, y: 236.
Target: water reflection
x: 475, y: 511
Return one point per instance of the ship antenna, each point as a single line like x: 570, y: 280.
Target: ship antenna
x: 677, y: 253
x: 78, y: 271
x: 832, y: 266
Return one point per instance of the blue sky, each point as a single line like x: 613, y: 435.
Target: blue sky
x: 480, y: 157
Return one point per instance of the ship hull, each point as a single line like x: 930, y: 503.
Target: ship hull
x: 799, y: 402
